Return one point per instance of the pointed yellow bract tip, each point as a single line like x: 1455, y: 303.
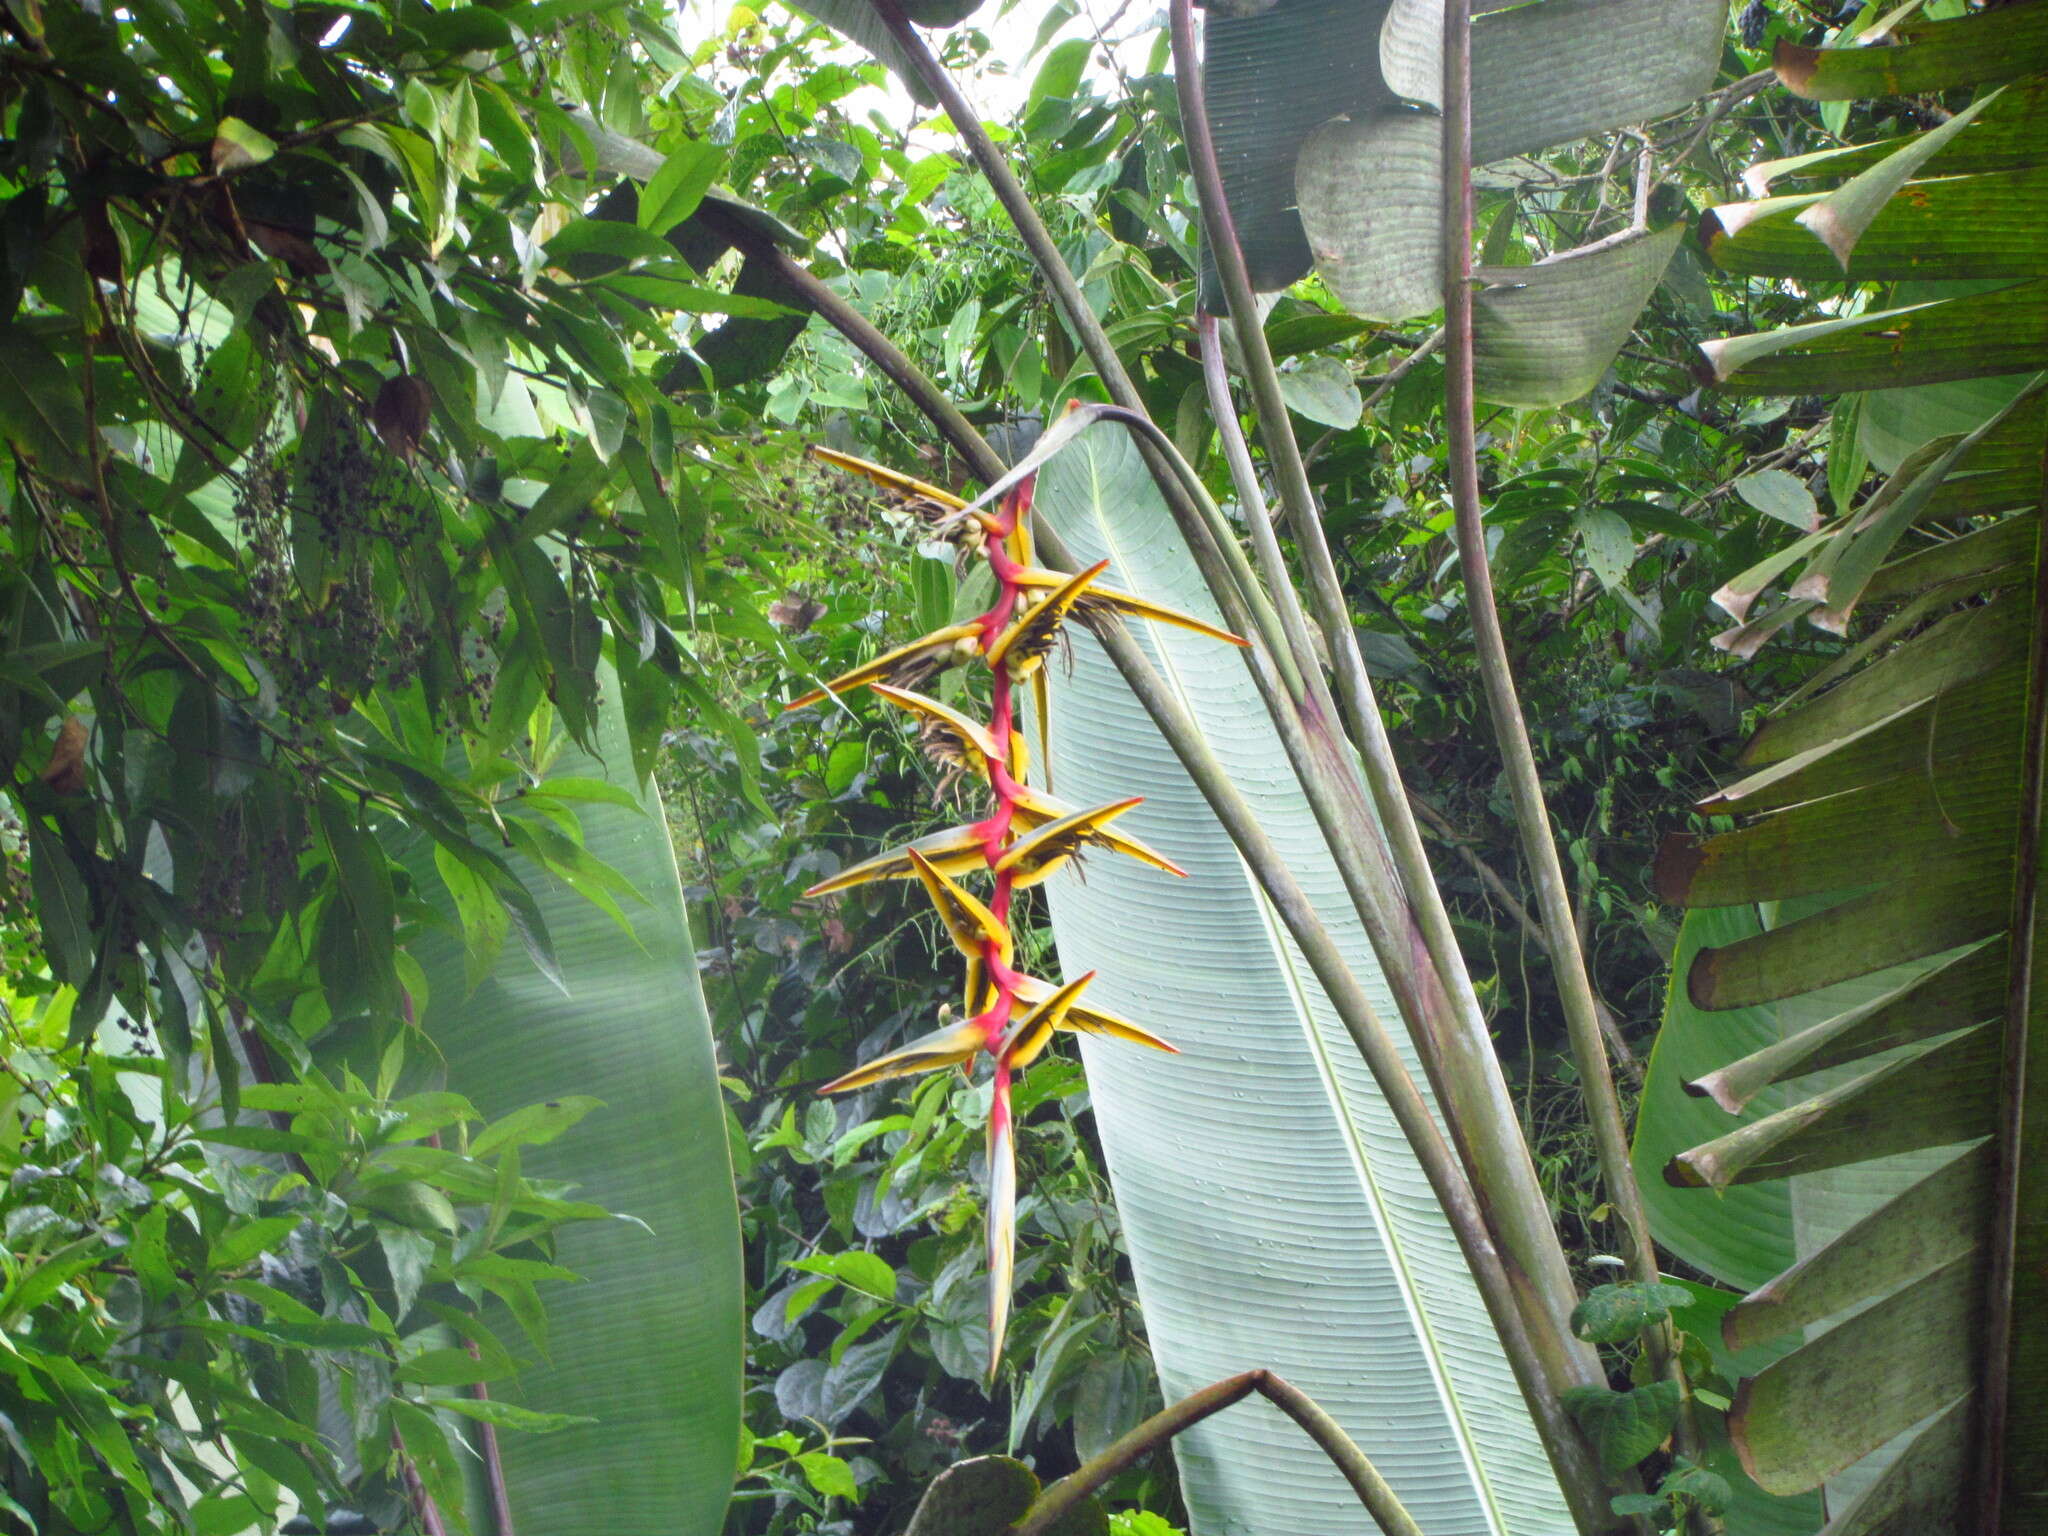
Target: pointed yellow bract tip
x: 889, y: 479
x: 968, y: 922
x: 952, y: 1046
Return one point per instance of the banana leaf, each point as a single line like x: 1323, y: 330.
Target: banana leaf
x: 1755, y: 1230
x: 1274, y: 1213
x: 1910, y: 773
x: 1370, y: 189
x: 1914, y: 1070
x: 1542, y: 335
x: 648, y: 1345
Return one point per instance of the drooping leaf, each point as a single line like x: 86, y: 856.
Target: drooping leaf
x: 1544, y: 334
x: 1370, y: 188
x: 1270, y: 81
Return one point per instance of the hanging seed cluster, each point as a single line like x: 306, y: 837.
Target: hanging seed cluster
x: 1024, y: 838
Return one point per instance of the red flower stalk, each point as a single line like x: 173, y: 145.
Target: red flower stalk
x: 1025, y: 837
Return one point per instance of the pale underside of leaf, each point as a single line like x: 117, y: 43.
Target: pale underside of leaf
x: 649, y: 1343
x: 1626, y: 61
x: 1371, y: 194
x: 1545, y: 334
x: 1270, y: 81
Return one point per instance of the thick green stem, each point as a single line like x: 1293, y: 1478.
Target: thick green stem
x: 1373, y: 1490
x: 1412, y: 937
x: 1525, y: 786
x: 1251, y: 503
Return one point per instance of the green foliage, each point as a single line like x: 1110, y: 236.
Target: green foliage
x: 1686, y: 1489
x: 336, y: 485
x: 365, y: 431
x: 183, y: 1285
x: 1625, y: 1427
x: 1614, y: 1314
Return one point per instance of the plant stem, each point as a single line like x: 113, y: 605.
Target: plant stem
x: 1532, y: 817
x: 424, y: 1509
x: 1373, y: 1491
x: 1038, y: 241
x: 494, y: 1462
x: 1045, y: 256
x: 957, y: 430
x: 1438, y: 1002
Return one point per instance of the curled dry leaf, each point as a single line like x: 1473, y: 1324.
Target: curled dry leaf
x: 795, y: 613
x: 400, y: 413
x: 65, y: 771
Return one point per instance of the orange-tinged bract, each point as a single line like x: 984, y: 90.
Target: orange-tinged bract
x: 1026, y: 836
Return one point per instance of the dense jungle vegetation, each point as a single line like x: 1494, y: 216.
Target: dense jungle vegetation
x: 416, y: 1000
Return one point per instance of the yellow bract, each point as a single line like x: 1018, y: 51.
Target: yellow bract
x: 971, y: 925
x: 1098, y: 598
x: 952, y: 1046
x: 1022, y: 647
x: 887, y: 478
x: 1030, y: 1035
x: 957, y: 851
x: 961, y: 740
x: 912, y: 663
x: 1037, y: 856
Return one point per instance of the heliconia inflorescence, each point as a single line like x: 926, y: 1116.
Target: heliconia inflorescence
x: 1026, y: 836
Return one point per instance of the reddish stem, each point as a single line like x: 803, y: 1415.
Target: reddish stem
x: 997, y: 829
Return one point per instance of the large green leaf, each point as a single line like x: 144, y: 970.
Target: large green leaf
x: 1901, y: 772
x: 1979, y: 334
x: 1754, y: 1230
x: 1940, y: 229
x: 1626, y: 61
x: 649, y: 1344
x: 2003, y: 137
x: 1275, y: 1215
x: 1924, y: 774
x: 1746, y: 1237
